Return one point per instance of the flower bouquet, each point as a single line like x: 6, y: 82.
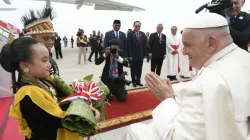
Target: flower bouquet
x: 79, y: 117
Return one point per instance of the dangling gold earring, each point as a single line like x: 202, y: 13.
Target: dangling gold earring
x: 26, y: 70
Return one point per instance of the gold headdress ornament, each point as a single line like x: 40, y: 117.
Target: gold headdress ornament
x: 39, y: 23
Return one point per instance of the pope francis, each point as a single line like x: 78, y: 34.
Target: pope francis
x: 215, y: 104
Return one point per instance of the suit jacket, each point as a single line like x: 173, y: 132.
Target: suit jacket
x: 136, y: 50
x: 157, y: 47
x: 57, y: 41
x: 94, y: 45
x: 54, y: 70
x: 122, y: 37
x: 105, y: 72
x: 100, y: 45
x: 240, y: 30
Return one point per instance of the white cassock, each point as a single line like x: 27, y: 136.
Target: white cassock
x: 173, y: 44
x: 213, y: 106
x: 184, y: 63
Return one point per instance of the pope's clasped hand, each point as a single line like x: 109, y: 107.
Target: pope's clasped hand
x: 161, y: 88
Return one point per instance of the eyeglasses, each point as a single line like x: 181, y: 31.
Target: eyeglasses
x: 117, y: 25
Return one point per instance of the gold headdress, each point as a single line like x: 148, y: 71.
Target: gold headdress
x: 39, y: 23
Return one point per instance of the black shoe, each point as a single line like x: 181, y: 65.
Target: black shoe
x: 134, y: 84
x: 183, y: 77
x: 89, y: 60
x: 139, y: 84
x: 175, y: 78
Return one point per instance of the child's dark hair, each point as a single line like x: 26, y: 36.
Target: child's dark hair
x: 12, y: 54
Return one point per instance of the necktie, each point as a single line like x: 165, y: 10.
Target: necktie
x: 113, y: 73
x: 231, y: 20
x: 116, y: 34
x: 138, y: 36
x: 159, y: 35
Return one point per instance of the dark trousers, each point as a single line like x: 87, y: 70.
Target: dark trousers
x: 156, y: 64
x: 58, y: 51
x: 91, y: 54
x: 117, y: 89
x: 172, y: 78
x: 101, y: 51
x: 136, y: 70
x: 72, y: 44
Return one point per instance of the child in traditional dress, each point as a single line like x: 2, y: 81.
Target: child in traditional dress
x: 36, y: 101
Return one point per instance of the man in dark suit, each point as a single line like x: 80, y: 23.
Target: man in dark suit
x: 58, y: 47
x: 116, y: 34
x: 113, y: 74
x: 94, y: 47
x: 239, y: 23
x: 157, y: 49
x: 136, y: 43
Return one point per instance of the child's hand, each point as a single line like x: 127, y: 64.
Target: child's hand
x: 96, y: 113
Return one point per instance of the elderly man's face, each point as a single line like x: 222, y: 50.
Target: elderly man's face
x: 159, y: 28
x: 137, y: 26
x: 195, y: 47
x: 174, y: 30
x: 236, y: 8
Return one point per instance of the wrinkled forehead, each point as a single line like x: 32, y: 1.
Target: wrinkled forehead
x: 190, y: 35
x: 237, y: 1
x: 137, y: 23
x: 173, y: 28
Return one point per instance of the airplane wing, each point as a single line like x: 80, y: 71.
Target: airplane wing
x: 112, y: 5
x: 99, y: 4
x: 8, y: 9
x: 69, y: 2
x: 7, y: 1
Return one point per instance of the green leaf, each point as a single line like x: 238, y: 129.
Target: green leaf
x: 88, y: 78
x: 79, y: 118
